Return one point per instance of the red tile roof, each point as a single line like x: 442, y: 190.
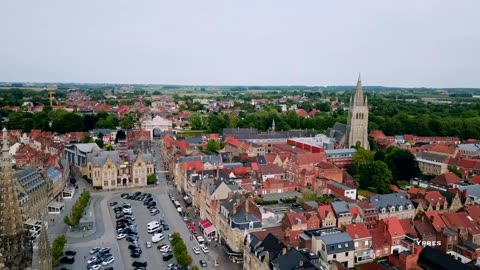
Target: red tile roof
x: 394, y: 227
x: 270, y: 158
x: 434, y: 197
x: 475, y: 179
x: 446, y: 179
x: 357, y: 231
x: 292, y: 218
x: 323, y: 210
x: 407, y: 226
x: 474, y: 211
x: 436, y: 220
x: 445, y: 149
x: 309, y: 158
x: 301, y: 113
x: 271, y: 169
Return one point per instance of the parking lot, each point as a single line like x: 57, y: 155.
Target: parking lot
x: 142, y: 217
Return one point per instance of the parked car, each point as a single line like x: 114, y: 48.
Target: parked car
x: 104, y: 250
x: 121, y: 236
x: 148, y: 244
x: 124, y: 195
x: 205, y: 249
x: 113, y: 203
x: 203, y: 263
x: 154, y: 212
x: 167, y: 257
x: 70, y: 253
x: 166, y: 227
x: 92, y: 260
x: 133, y: 246
x: 135, y: 255
x: 139, y: 264
x: 196, y: 250
x: 67, y: 260
x: 108, y: 261
x: 94, y: 250
x: 94, y: 267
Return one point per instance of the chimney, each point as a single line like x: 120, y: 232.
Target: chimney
x: 247, y: 207
x: 218, y: 172
x: 431, y: 219
x: 284, y: 251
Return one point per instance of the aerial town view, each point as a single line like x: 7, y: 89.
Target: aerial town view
x: 239, y: 135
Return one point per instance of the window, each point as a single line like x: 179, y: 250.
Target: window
x: 339, y: 246
x: 356, y: 244
x: 346, y: 245
x: 105, y: 183
x: 334, y: 256
x: 113, y: 182
x: 366, y: 242
x: 346, y: 253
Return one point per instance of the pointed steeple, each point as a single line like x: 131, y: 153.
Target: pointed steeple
x: 273, y: 125
x: 358, y: 99
x: 44, y: 251
x: 5, y: 148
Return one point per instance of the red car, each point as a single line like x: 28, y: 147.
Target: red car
x: 160, y: 246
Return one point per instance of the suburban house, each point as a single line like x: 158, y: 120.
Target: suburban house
x: 362, y: 242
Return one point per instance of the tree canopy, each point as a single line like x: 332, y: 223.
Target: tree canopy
x: 402, y: 163
x: 375, y: 175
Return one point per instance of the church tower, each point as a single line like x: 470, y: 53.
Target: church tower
x: 15, y: 245
x: 44, y: 251
x: 357, y: 123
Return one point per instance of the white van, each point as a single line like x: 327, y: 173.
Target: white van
x: 153, y: 224
x: 153, y: 229
x: 157, y: 237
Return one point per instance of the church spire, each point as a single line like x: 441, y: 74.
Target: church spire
x: 44, y: 251
x: 5, y: 148
x: 358, y: 99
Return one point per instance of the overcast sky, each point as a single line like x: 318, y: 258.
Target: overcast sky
x: 430, y: 43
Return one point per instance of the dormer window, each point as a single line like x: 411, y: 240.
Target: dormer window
x: 383, y: 210
x: 400, y: 208
x: 392, y: 209
x: 409, y: 207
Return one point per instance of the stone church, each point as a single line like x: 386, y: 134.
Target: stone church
x: 355, y: 132
x: 15, y: 245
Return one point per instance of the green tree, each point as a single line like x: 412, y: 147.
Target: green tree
x: 402, y: 163
x: 196, y: 122
x: 184, y: 259
x: 58, y: 246
x: 360, y: 158
x: 100, y: 143
x: 379, y: 155
x: 455, y: 170
x: 78, y: 209
x: 127, y: 122
x: 375, y: 174
x: 109, y: 147
x: 87, y: 139
x: 151, y: 179
x: 195, y: 267
x: 212, y: 145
